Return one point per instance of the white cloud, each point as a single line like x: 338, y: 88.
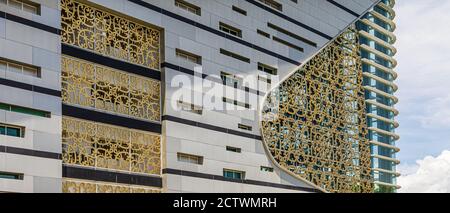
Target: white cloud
x: 432, y: 176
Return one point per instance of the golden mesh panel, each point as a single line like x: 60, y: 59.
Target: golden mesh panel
x: 82, y: 186
x: 110, y: 35
x: 91, y: 85
x: 314, y: 123
x: 102, y: 146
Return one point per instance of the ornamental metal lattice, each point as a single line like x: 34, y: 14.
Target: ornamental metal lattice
x: 108, y: 34
x: 314, y: 124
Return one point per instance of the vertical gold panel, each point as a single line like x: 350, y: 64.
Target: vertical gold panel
x: 314, y: 122
x: 90, y: 85
x: 102, y: 146
x: 105, y: 33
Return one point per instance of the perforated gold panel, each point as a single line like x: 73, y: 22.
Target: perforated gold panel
x: 314, y: 125
x: 83, y: 186
x: 90, y: 85
x: 97, y: 145
x: 110, y: 35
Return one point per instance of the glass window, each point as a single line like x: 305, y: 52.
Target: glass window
x: 194, y: 159
x: 24, y: 5
x: 188, y: 7
x: 12, y: 131
x: 266, y: 169
x: 6, y: 175
x: 2, y: 64
x: 232, y: 174
x: 230, y: 30
x: 12, y: 66
x: 15, y: 4
x: 2, y: 130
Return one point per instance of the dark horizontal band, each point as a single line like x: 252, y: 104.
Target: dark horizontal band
x: 210, y: 127
x: 287, y: 18
x: 111, y: 119
x: 214, y: 31
x: 217, y: 80
x: 30, y: 23
x: 111, y: 177
x: 343, y: 8
x: 110, y: 62
x: 30, y: 87
x: 29, y: 152
x: 245, y: 181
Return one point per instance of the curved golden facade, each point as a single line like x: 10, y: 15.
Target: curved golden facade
x: 314, y: 125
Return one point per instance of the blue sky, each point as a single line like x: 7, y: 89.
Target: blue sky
x: 423, y: 43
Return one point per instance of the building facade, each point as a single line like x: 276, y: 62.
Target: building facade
x: 377, y: 52
x: 171, y: 96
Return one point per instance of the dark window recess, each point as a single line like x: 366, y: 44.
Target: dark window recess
x: 233, y: 174
x: 244, y: 127
x: 11, y: 176
x: 237, y: 103
x: 291, y: 45
x: 24, y: 110
x: 239, y: 10
x: 234, y: 149
x: 267, y: 69
x: 264, y: 79
x: 188, y: 107
x: 191, y: 57
x: 230, y: 30
x: 266, y: 169
x: 188, y: 7
x: 230, y: 80
x: 260, y: 32
x: 273, y: 4
x: 234, y: 55
x: 295, y: 1
x: 187, y: 158
x: 291, y: 34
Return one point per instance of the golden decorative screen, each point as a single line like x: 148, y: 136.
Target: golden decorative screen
x: 90, y: 144
x: 110, y: 35
x: 90, y: 85
x: 82, y: 186
x: 314, y: 122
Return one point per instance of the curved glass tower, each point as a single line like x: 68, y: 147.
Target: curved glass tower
x: 377, y: 51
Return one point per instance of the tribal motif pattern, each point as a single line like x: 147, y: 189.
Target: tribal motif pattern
x: 314, y: 122
x: 90, y: 85
x: 90, y: 144
x: 110, y: 35
x: 83, y: 186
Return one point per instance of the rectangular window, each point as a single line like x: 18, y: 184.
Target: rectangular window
x: 295, y: 1
x: 187, y: 158
x: 273, y: 4
x: 20, y: 68
x: 237, y: 103
x: 190, y: 107
x: 291, y: 34
x: 234, y: 55
x: 266, y: 169
x: 230, y: 30
x: 291, y: 45
x: 11, y: 176
x: 267, y: 69
x: 239, y: 10
x: 245, y: 127
x: 264, y: 79
x: 24, y: 5
x: 188, y: 7
x: 13, y: 131
x: 24, y: 110
x: 230, y: 80
x: 188, y: 56
x: 260, y: 32
x: 234, y: 149
x: 233, y: 174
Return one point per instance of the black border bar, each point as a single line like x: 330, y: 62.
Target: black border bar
x: 111, y: 177
x: 210, y: 127
x: 30, y: 87
x: 29, y: 23
x: 110, y: 62
x: 343, y: 8
x: 29, y: 152
x: 111, y: 119
x: 251, y: 182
